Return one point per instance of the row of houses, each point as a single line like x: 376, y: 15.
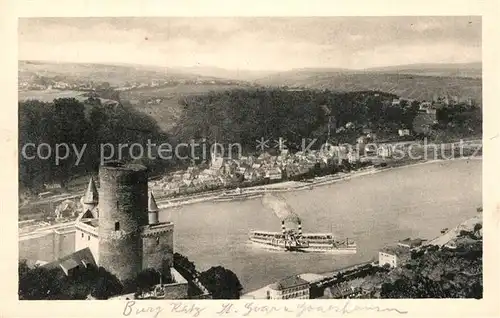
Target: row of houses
x: 223, y: 172
x: 437, y: 101
x: 248, y: 169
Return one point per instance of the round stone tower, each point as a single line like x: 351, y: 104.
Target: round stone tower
x: 123, y: 210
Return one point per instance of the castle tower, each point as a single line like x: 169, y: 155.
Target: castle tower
x: 91, y: 197
x: 123, y: 212
x: 87, y: 222
x: 157, y: 240
x: 152, y: 210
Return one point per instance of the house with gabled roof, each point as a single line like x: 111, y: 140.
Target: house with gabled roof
x: 72, y: 263
x: 292, y: 287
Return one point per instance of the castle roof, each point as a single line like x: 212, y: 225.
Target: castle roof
x: 152, y: 207
x: 91, y: 195
x: 82, y: 257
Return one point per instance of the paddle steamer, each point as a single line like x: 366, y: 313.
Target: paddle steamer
x: 294, y: 240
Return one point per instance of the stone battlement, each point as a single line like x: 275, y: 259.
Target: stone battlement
x: 157, y: 229
x: 89, y: 229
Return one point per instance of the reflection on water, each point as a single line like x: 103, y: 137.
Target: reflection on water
x: 373, y: 210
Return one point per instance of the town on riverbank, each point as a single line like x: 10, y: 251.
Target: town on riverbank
x: 250, y: 177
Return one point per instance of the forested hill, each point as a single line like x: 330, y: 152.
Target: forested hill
x: 243, y: 116
x: 240, y: 116
x: 76, y: 124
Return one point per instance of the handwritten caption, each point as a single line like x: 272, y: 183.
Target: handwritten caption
x: 245, y: 309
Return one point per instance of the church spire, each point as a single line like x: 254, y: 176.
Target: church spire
x: 91, y: 195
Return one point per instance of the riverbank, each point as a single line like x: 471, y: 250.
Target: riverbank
x: 413, y: 202
x: 451, y: 234
x: 290, y: 186
x: 320, y: 280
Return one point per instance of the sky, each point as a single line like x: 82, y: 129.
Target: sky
x: 253, y: 43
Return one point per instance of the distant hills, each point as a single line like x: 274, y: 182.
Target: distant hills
x: 116, y: 75
x: 240, y: 75
x: 418, y: 81
x: 473, y: 70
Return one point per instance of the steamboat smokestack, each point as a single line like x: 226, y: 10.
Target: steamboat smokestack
x: 299, y: 227
x: 283, y: 229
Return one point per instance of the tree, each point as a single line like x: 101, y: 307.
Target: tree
x: 221, y: 283
x: 439, y: 273
x: 40, y: 283
x: 66, y: 121
x: 106, y: 285
x: 146, y: 279
x: 183, y: 263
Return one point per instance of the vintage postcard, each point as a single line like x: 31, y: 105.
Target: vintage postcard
x: 237, y: 165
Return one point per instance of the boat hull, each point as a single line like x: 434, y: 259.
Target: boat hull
x: 325, y: 249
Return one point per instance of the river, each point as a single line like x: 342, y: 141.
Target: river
x: 374, y: 210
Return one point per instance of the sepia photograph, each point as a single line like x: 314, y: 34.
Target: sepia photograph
x: 250, y: 158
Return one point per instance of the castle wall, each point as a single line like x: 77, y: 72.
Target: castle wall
x: 158, y: 247
x: 176, y: 291
x: 46, y: 246
x: 84, y: 239
x: 64, y: 242
x: 39, y: 247
x: 123, y: 201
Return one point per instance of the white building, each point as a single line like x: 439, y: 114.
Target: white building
x: 292, y: 287
x: 353, y: 156
x: 404, y: 132
x: 424, y: 106
x: 394, y: 256
x: 384, y: 151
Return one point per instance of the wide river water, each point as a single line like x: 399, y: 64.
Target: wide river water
x: 374, y: 210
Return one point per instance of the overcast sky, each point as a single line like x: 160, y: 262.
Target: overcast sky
x: 253, y: 43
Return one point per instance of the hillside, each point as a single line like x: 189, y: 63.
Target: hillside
x: 404, y: 85
x: 472, y: 70
x: 155, y: 91
x: 115, y: 75
x: 162, y: 103
x: 240, y: 75
x: 415, y: 81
